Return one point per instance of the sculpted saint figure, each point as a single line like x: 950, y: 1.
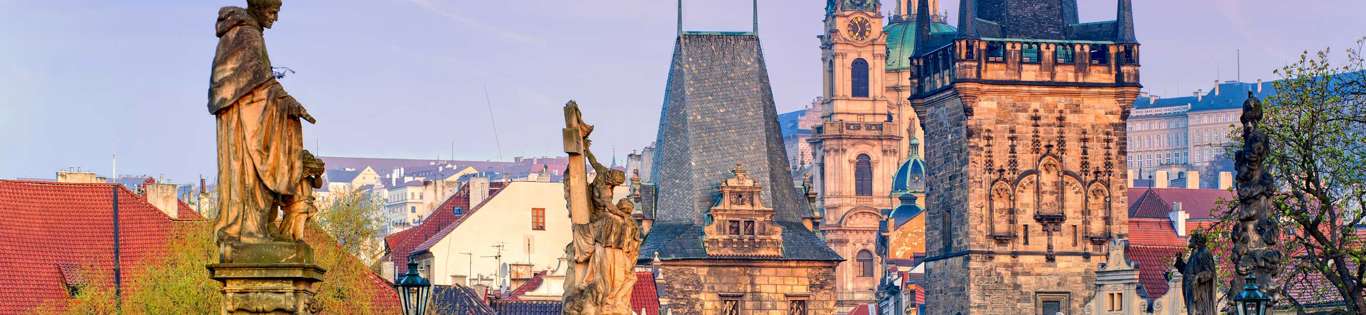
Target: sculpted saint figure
x: 604, y: 250
x: 262, y: 167
x: 1197, y: 277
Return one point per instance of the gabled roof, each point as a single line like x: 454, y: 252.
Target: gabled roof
x: 644, y: 295
x: 430, y: 240
x: 1154, y: 232
x: 1201, y: 204
x: 1153, y: 264
x: 342, y: 175
x: 401, y: 244
x: 50, y: 230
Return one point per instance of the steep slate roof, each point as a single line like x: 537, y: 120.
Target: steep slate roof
x: 718, y: 112
x: 49, y: 231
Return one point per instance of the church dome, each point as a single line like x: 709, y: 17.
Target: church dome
x: 901, y: 41
x: 910, y: 177
x: 906, y: 211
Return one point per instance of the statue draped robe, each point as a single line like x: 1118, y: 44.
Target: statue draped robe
x: 260, y: 139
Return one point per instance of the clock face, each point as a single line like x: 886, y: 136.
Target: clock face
x: 859, y: 28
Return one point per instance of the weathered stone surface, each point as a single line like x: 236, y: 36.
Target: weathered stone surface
x: 268, y: 288
x: 763, y: 287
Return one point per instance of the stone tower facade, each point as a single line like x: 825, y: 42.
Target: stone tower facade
x: 1024, y: 112
x: 856, y: 147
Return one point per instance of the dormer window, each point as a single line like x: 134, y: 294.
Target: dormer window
x: 740, y: 223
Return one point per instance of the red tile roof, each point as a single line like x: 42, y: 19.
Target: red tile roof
x: 49, y: 230
x: 1202, y: 204
x: 644, y: 295
x: 401, y: 244
x: 1153, y: 264
x: 862, y: 309
x: 1154, y: 232
x: 428, y: 241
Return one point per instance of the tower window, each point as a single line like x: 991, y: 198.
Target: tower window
x: 1064, y: 54
x: 858, y: 80
x: 733, y: 227
x: 1029, y: 53
x: 1026, y: 234
x: 996, y: 52
x: 730, y: 304
x: 865, y: 263
x: 863, y: 176
x: 1100, y: 55
x: 749, y: 228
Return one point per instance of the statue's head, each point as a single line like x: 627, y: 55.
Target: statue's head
x: 1197, y: 241
x: 625, y: 206
x: 266, y: 12
x: 616, y: 177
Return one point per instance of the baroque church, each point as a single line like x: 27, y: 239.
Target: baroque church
x: 866, y: 147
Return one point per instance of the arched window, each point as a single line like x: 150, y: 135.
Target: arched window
x: 863, y: 176
x: 865, y: 263
x: 859, y: 78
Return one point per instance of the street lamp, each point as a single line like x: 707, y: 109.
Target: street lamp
x: 1251, y: 301
x: 413, y: 290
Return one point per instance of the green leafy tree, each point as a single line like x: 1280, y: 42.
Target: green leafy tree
x: 1316, y: 123
x: 354, y: 219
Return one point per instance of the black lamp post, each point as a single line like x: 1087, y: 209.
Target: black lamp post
x: 1251, y: 301
x: 413, y: 290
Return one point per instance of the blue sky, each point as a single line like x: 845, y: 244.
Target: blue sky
x: 81, y: 81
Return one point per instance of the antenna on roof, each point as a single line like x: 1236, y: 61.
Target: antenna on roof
x: 494, y: 122
x: 1239, y: 53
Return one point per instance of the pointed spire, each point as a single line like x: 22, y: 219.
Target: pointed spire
x: 1124, y: 22
x: 967, y: 18
x: 680, y: 18
x: 756, y: 17
x: 922, y: 25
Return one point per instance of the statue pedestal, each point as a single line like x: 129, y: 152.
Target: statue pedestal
x: 285, y: 288
x: 273, y: 278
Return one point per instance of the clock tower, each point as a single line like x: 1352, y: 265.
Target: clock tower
x: 856, y: 146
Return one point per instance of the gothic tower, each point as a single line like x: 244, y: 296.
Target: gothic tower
x: 1024, y: 112
x: 856, y: 148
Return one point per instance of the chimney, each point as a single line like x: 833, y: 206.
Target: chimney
x: 1216, y: 87
x: 78, y: 177
x: 479, y: 190
x: 162, y: 196
x: 1178, y: 217
x: 1192, y: 180
x: 1225, y: 180
x: 1259, y: 86
x: 1131, y: 177
x: 1200, y: 95
x: 1160, y: 179
x: 1152, y: 99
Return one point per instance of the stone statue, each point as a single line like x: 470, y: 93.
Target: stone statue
x: 265, y: 177
x: 1256, y: 231
x: 262, y: 167
x: 606, y: 239
x: 1198, y: 275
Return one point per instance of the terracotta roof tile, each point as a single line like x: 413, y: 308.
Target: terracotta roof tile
x: 403, y: 243
x: 1200, y: 203
x: 1154, y: 232
x: 1153, y: 264
x: 862, y: 309
x: 644, y: 295
x: 48, y: 230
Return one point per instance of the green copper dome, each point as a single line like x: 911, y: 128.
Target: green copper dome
x: 901, y: 42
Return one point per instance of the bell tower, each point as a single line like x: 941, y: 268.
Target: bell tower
x: 855, y: 148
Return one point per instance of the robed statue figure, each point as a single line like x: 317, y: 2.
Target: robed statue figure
x: 262, y: 167
x: 1198, y: 275
x: 606, y: 240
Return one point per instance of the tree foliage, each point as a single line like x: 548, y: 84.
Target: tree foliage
x: 1316, y: 123
x: 353, y: 219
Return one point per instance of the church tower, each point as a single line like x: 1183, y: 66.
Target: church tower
x: 1024, y: 111
x: 856, y: 147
